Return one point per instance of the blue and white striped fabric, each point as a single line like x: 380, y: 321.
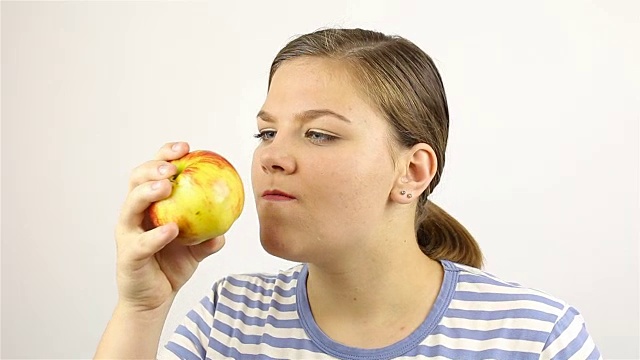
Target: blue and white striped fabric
x: 476, y: 316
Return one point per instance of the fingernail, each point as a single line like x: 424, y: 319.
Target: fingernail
x: 163, y: 169
x: 164, y: 228
x: 176, y: 147
x: 155, y: 185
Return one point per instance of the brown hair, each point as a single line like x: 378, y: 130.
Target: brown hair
x: 403, y: 83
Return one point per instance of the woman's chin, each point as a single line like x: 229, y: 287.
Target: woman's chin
x: 283, y: 248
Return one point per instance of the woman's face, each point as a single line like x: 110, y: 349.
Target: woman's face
x: 323, y: 171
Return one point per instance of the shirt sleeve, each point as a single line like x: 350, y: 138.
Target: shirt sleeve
x: 190, y: 339
x: 569, y: 339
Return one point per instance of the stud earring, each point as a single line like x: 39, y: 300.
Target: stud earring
x: 402, y: 192
x: 409, y: 196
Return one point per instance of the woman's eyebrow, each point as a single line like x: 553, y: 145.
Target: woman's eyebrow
x: 306, y: 115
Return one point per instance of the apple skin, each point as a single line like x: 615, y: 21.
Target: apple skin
x: 206, y: 199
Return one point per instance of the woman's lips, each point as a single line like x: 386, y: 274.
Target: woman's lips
x: 277, y: 195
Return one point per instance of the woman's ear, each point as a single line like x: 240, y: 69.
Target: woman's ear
x: 417, y: 168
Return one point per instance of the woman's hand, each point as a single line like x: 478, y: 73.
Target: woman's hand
x: 150, y: 267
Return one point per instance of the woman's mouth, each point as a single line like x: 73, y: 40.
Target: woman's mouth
x: 277, y: 195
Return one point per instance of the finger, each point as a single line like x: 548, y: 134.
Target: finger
x: 139, y: 199
x: 172, y: 151
x: 151, y: 170
x: 152, y: 241
x: 204, y: 249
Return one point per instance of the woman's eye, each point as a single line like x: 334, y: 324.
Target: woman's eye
x: 265, y: 135
x: 319, y: 137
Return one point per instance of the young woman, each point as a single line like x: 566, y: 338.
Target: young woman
x: 353, y: 135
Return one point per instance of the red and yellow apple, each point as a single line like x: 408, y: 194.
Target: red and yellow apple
x: 206, y: 199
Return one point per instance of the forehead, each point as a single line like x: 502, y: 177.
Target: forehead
x: 308, y: 83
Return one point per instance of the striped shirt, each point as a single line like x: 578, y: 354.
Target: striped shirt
x: 475, y: 316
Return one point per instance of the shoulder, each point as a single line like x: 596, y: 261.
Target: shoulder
x: 237, y: 310
x: 485, y: 288
x: 480, y: 298
x: 529, y: 318
x: 258, y: 281
x: 248, y: 287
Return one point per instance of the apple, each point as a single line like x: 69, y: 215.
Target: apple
x: 206, y: 199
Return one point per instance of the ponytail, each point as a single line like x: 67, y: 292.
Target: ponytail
x: 441, y: 237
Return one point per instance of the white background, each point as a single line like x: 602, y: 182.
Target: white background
x: 542, y: 163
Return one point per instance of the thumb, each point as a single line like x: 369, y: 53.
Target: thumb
x: 206, y: 248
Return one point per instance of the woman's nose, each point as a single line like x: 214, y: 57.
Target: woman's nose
x: 276, y: 159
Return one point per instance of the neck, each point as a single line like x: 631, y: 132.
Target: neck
x: 387, y: 291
